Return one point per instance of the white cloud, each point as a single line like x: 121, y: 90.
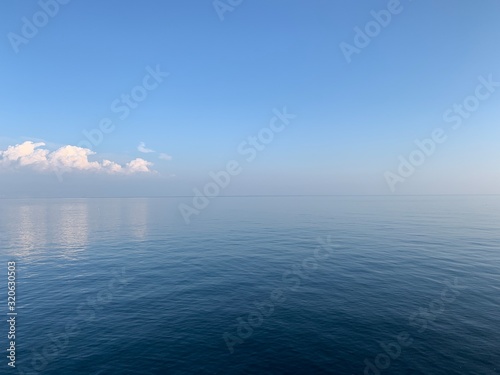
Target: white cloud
x: 25, y: 154
x: 65, y: 159
x: 138, y: 165
x: 142, y: 148
x: 165, y: 156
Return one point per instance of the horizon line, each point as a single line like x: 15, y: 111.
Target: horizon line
x: 259, y: 196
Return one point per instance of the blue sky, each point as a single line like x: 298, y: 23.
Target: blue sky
x: 353, y: 119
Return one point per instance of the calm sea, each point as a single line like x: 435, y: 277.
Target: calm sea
x: 255, y: 285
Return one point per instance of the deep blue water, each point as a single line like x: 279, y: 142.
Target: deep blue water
x: 124, y: 286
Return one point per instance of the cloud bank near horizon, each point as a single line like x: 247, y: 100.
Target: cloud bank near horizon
x: 65, y: 159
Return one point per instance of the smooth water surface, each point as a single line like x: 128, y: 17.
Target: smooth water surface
x: 124, y: 286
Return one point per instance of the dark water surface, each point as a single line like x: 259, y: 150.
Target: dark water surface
x: 124, y: 286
